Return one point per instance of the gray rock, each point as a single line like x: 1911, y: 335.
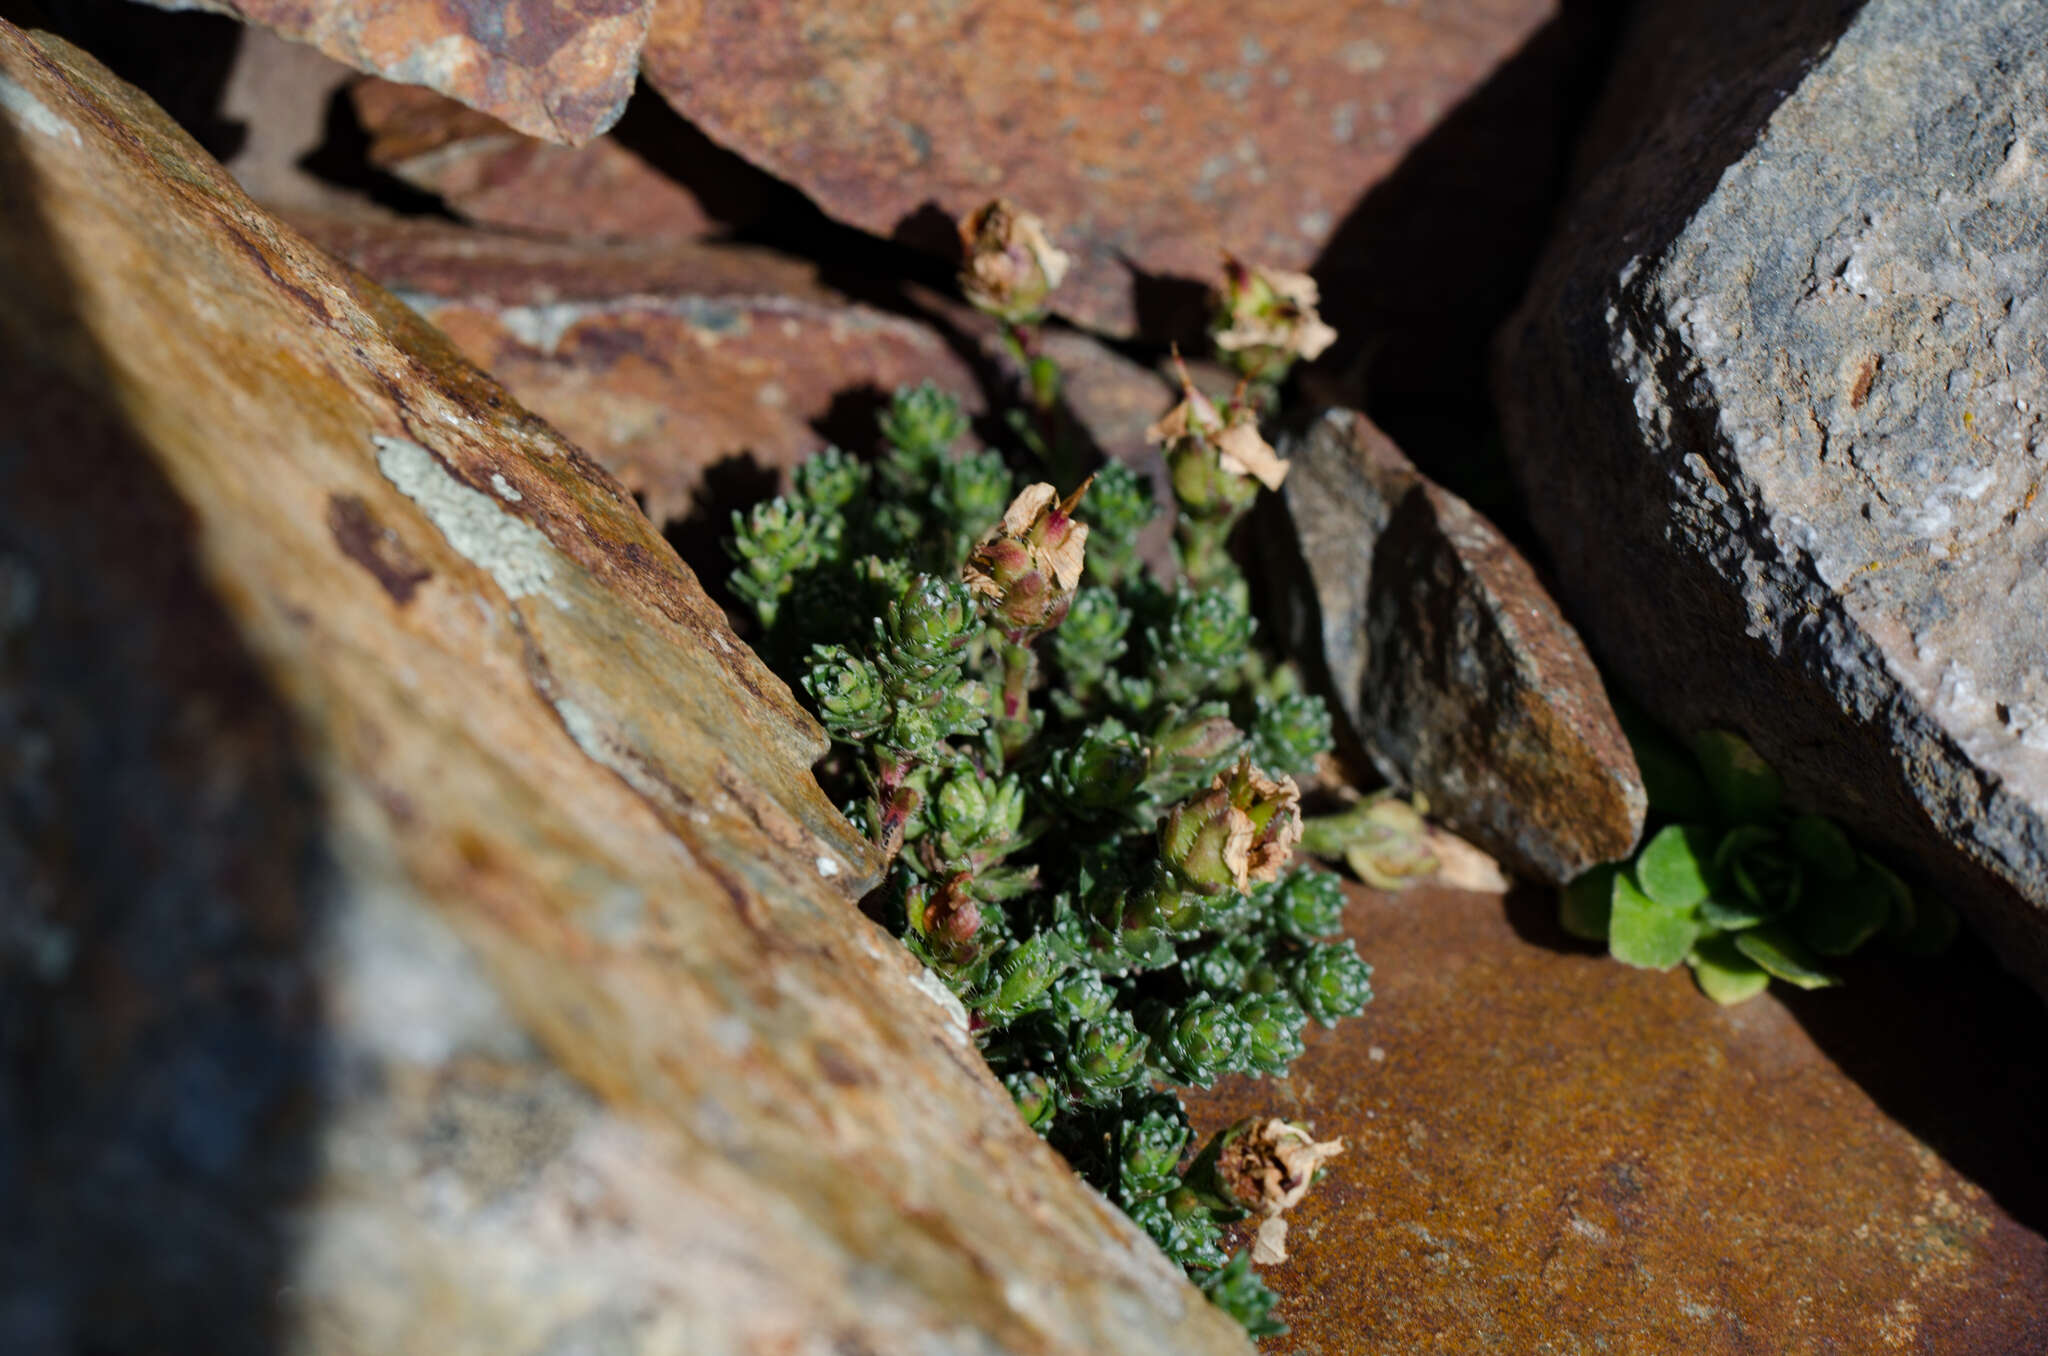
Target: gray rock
x: 1454, y: 669
x: 1776, y: 399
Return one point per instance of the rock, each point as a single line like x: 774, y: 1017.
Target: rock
x: 1776, y: 401
x: 556, y: 69
x: 280, y: 94
x: 422, y: 931
x: 1550, y: 1151
x: 486, y: 173
x: 1148, y: 136
x: 1453, y: 667
x: 671, y: 363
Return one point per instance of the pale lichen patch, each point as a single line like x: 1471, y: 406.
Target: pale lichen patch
x: 33, y: 113
x: 513, y: 552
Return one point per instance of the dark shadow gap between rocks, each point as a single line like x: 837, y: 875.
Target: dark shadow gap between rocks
x: 161, y: 1031
x: 1424, y: 267
x: 181, y: 59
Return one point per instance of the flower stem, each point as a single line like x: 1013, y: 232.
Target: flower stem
x: 1013, y: 727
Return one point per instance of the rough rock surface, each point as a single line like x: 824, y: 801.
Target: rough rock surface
x: 668, y: 363
x: 1551, y: 1152
x: 421, y: 931
x: 556, y: 69
x: 1777, y: 399
x: 485, y: 172
x: 1148, y: 136
x: 1450, y: 662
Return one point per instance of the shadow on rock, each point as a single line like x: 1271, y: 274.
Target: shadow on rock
x: 1951, y: 1049
x: 1422, y: 270
x: 732, y: 484
x: 160, y: 1027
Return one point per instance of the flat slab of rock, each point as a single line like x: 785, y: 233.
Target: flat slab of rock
x: 423, y: 932
x: 1776, y: 400
x: 667, y: 362
x: 1451, y: 664
x: 1148, y: 136
x: 1550, y: 1151
x: 556, y: 69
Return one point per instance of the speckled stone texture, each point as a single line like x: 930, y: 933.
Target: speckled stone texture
x: 697, y: 373
x: 556, y: 69
x: 1550, y: 1152
x: 1450, y: 663
x: 419, y: 928
x: 1776, y: 402
x: 1149, y: 136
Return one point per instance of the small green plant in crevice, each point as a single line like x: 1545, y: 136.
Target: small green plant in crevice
x: 1081, y: 770
x: 1736, y: 884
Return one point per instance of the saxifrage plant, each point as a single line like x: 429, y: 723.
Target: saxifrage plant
x: 1082, y: 771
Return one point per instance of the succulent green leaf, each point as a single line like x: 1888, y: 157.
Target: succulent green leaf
x: 1835, y: 917
x: 1933, y: 927
x: 1671, y: 776
x: 1724, y: 974
x: 1585, y: 905
x: 1745, y: 787
x: 1237, y: 1290
x: 1776, y: 950
x: 1674, y: 866
x: 1646, y: 934
x: 1822, y: 845
x: 1733, y: 913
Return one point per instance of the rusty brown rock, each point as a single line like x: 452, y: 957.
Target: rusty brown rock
x: 1548, y: 1151
x: 1150, y: 137
x: 1456, y: 671
x: 560, y: 70
x: 485, y: 172
x: 423, y: 932
x: 664, y: 362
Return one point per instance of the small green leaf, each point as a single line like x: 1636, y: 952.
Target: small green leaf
x: 1733, y: 915
x: 1934, y: 925
x: 1646, y: 934
x: 1905, y: 911
x: 1744, y: 785
x: 1584, y: 905
x: 1724, y: 974
x: 1673, y: 866
x: 1778, y: 952
x: 1837, y: 916
x: 1671, y: 779
x: 1822, y: 845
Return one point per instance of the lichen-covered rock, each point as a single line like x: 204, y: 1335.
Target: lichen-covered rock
x: 669, y: 361
x: 1148, y: 136
x: 556, y: 69
x: 1776, y: 399
x: 421, y: 930
x: 1449, y: 661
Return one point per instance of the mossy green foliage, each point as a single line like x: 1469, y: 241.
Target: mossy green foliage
x: 1737, y: 886
x: 1053, y: 763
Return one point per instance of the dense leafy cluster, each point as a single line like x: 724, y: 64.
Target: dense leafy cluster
x: 1085, y: 776
x: 1738, y: 886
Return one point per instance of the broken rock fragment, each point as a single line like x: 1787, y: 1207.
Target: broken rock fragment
x: 555, y: 69
x: 1454, y: 668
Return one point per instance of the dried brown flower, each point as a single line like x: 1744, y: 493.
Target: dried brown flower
x: 1011, y: 265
